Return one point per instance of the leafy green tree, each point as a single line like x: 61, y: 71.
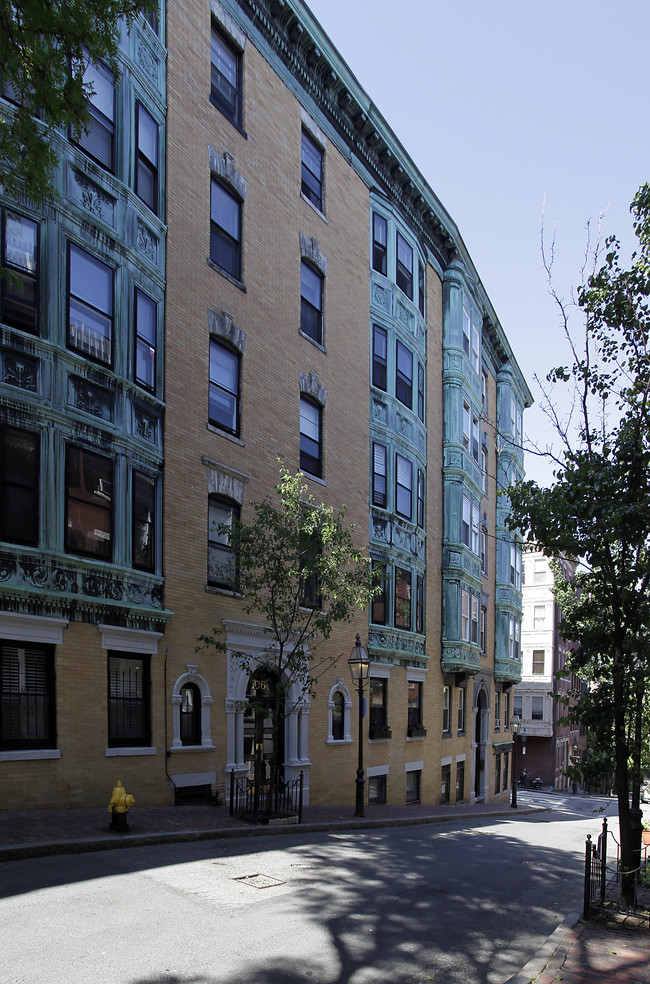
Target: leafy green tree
x: 298, y: 571
x: 598, y: 510
x: 45, y: 47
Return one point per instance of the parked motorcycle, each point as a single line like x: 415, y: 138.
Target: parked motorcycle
x: 526, y: 781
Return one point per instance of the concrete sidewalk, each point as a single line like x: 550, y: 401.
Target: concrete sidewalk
x: 615, y: 950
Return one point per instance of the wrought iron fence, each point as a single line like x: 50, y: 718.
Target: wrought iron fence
x: 595, y: 870
x: 264, y: 801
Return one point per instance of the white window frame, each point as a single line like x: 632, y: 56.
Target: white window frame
x: 339, y: 688
x: 192, y: 676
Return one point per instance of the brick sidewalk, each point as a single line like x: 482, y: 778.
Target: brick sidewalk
x: 599, y: 951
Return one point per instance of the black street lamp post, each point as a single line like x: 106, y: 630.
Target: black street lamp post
x: 515, y: 728
x: 359, y: 665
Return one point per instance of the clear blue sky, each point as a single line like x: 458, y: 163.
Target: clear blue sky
x: 504, y: 106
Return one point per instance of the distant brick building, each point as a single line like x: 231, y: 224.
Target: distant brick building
x: 319, y: 306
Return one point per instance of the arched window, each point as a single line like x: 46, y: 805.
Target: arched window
x: 339, y: 706
x: 338, y: 716
x: 190, y: 714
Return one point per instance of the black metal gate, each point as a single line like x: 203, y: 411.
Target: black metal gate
x: 264, y: 801
x: 595, y: 870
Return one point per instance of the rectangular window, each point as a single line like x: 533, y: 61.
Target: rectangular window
x: 445, y: 789
x: 537, y: 709
x: 145, y: 341
x: 461, y: 709
x: 414, y: 705
x: 497, y: 710
x: 476, y: 437
x: 129, y: 701
x: 515, y: 566
x: 539, y: 570
x: 484, y: 391
x: 404, y: 376
x: 420, y: 515
x: 402, y: 619
x: 465, y: 614
x: 514, y: 639
x: 538, y: 662
x: 99, y: 139
x: 476, y: 357
x: 460, y: 782
x: 311, y: 456
x: 19, y: 518
x: 466, y: 331
x: 421, y: 288
x: 476, y: 518
x: 466, y: 521
x: 312, y: 171
x: 379, y: 358
x: 483, y: 550
x: 90, y: 306
x: 225, y: 230
x: 413, y: 783
x: 421, y: 391
x: 467, y: 417
x: 483, y: 631
x: 226, y: 84
x: 403, y: 486
x: 506, y: 760
x: 404, y: 266
x: 517, y: 706
x: 27, y: 707
x: 311, y: 303
x: 310, y: 554
x: 419, y: 604
x: 378, y: 706
x: 378, y: 608
x: 497, y: 773
x: 89, y: 503
x: 144, y: 522
x: 224, y: 387
x: 378, y: 475
x: 484, y: 468
x: 446, y: 725
x: 539, y: 616
x: 146, y: 175
x: 506, y: 710
x: 379, y: 243
x: 376, y: 789
x: 19, y: 291
x: 222, y: 561
x: 474, y: 637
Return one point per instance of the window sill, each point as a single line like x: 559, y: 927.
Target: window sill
x: 312, y: 206
x: 338, y: 741
x: 416, y: 738
x: 215, y: 589
x: 29, y: 754
x: 229, y: 437
x: 228, y: 276
x: 236, y: 125
x: 318, y: 345
x: 313, y: 478
x: 119, y: 752
x: 191, y: 748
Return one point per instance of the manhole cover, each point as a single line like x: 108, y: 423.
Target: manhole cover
x: 259, y: 881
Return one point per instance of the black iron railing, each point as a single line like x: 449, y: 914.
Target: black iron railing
x: 263, y: 801
x: 595, y: 871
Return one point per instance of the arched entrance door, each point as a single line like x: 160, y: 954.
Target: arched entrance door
x: 260, y: 749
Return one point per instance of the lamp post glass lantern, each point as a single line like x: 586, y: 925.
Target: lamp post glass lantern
x: 359, y: 665
x: 515, y: 728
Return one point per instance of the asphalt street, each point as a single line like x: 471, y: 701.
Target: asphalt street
x: 461, y: 903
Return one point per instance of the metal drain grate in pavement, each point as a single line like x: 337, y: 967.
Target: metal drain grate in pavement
x: 259, y: 881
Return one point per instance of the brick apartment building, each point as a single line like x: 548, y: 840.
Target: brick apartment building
x: 253, y: 270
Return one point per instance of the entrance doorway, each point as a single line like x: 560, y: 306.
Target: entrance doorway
x: 260, y: 749
x: 480, y: 738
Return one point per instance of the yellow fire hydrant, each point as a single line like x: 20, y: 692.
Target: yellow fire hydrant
x: 120, y: 804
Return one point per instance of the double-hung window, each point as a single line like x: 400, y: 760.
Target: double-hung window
x: 483, y: 631
x: 129, y: 701
x: 379, y: 475
x: 311, y: 444
x: 379, y: 602
x: 461, y: 709
x: 146, y: 175
x: 466, y: 521
x: 402, y: 614
x: 414, y: 705
x: 379, y: 243
x: 538, y: 662
x: 474, y: 632
x: 226, y: 85
x: 515, y: 629
x: 90, y: 306
x: 311, y: 303
x: 515, y: 566
x: 419, y: 604
x: 225, y: 229
x: 89, y: 503
x: 421, y: 391
x: 145, y: 341
x: 20, y: 477
x: 467, y: 417
x: 421, y: 288
x: 144, y: 522
x: 20, y: 261
x: 378, y: 705
x: 98, y: 141
x: 476, y: 516
x: 190, y: 715
x: 467, y: 331
x: 312, y: 171
x: 379, y: 357
x: 465, y: 614
x: 403, y: 486
x: 446, y: 717
x: 420, y: 504
x: 27, y: 707
x: 404, y: 266
x: 222, y: 561
x: 476, y: 349
x: 224, y: 387
x: 404, y: 375
x: 476, y: 437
